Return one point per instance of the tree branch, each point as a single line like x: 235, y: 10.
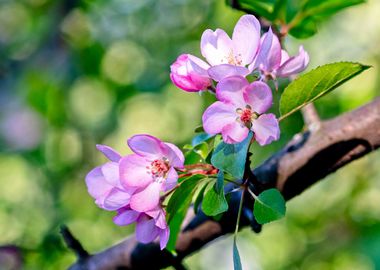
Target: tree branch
x: 306, y: 159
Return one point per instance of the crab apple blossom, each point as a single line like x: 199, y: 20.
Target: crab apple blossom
x: 272, y: 62
x: 190, y: 73
x: 151, y: 169
x: 103, y: 182
x: 229, y: 57
x: 241, y: 108
x: 149, y: 225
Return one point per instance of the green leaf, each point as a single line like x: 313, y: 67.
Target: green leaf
x: 231, y: 157
x: 304, y: 16
x: 178, y: 205
x: 269, y: 206
x: 315, y: 84
x: 199, y: 195
x: 236, y: 256
x: 263, y: 8
x: 214, y: 200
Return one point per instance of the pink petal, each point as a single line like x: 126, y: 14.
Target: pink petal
x: 97, y: 186
x: 274, y: 56
x: 116, y: 199
x: 190, y: 73
x: 110, y: 153
x: 147, y: 199
x: 266, y: 129
x: 171, y: 180
x: 197, y: 65
x: 217, y: 116
x: 134, y: 172
x: 164, y: 238
x: 234, y: 132
x: 230, y: 90
x: 259, y: 96
x: 294, y: 64
x: 146, y: 146
x: 220, y: 72
x: 126, y: 217
x: 146, y: 230
x: 246, y: 38
x: 216, y: 46
x: 174, y: 155
x: 284, y: 57
x: 263, y: 52
x: 111, y: 174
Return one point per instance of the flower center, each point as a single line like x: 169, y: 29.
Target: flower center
x: 159, y: 167
x: 234, y: 60
x: 246, y: 116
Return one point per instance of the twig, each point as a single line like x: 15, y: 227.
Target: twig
x: 73, y: 243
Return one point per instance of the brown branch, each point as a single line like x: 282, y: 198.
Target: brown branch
x: 306, y: 159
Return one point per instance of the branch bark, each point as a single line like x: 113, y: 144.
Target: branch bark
x: 306, y: 159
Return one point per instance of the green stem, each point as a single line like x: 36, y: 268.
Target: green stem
x: 239, y: 213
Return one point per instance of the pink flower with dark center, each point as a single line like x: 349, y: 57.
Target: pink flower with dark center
x: 149, y: 225
x: 151, y: 170
x: 229, y: 57
x: 272, y: 62
x: 103, y: 182
x: 190, y: 73
x: 241, y: 108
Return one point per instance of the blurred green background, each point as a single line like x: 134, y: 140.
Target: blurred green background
x: 77, y: 73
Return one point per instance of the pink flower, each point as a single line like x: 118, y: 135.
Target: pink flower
x: 190, y: 73
x: 241, y: 108
x: 150, y: 170
x: 103, y: 182
x: 272, y: 61
x: 149, y: 225
x: 229, y: 57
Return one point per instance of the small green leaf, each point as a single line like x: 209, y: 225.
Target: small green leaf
x: 315, y: 84
x: 231, y: 157
x: 269, y: 206
x: 236, y: 256
x: 178, y: 205
x: 214, y: 200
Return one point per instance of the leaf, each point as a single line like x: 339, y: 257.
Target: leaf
x: 214, y: 200
x: 304, y: 16
x: 199, y: 196
x: 236, y: 256
x: 231, y: 157
x: 263, y: 8
x: 315, y: 84
x: 200, y: 138
x: 269, y: 206
x: 178, y: 205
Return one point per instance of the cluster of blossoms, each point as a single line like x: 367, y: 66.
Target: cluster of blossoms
x: 131, y: 185
x: 134, y: 185
x: 240, y: 106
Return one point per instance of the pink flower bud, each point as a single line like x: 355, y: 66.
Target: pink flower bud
x: 190, y: 73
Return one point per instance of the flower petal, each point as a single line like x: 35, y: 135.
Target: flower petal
x: 220, y: 72
x: 284, y: 56
x: 97, y: 186
x: 116, y: 199
x: 197, y: 65
x: 164, y: 238
x: 110, y: 153
x: 246, y: 38
x: 133, y: 171
x: 230, y: 90
x: 216, y: 46
x: 174, y: 155
x: 126, y: 217
x: 146, y: 146
x: 234, y: 132
x: 259, y: 96
x: 263, y: 52
x: 147, y: 199
x: 217, y: 116
x: 266, y: 129
x: 111, y: 174
x: 171, y: 180
x: 294, y: 64
x: 146, y: 230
